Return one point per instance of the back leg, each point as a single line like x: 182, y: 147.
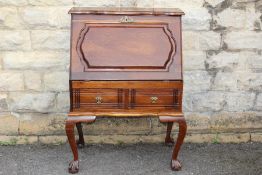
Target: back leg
x: 80, y: 142
x: 169, y: 140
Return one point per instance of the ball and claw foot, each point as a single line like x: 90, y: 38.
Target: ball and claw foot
x: 73, y: 167
x: 169, y: 141
x: 80, y: 144
x: 176, y: 165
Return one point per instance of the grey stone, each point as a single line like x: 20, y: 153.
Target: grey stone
x: 50, y: 40
x: 3, y: 102
x: 196, y: 81
x: 31, y: 102
x: 201, y: 40
x: 244, y: 40
x: 14, y: 40
x: 239, y: 101
x: 38, y: 60
x: 11, y: 81
x: 63, y: 102
x: 194, y: 60
x: 56, y: 81
x: 204, y: 102
x: 33, y: 80
x: 100, y: 3
x: 45, y: 18
x: 258, y: 104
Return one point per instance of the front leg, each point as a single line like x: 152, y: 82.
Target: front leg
x: 175, y: 163
x: 73, y: 165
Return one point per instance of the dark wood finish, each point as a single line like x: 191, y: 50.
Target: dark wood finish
x: 125, y: 62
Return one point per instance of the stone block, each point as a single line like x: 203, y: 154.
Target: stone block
x: 178, y: 3
x: 100, y: 3
x: 56, y: 81
x: 250, y: 81
x: 14, y: 40
x: 33, y: 80
x: 218, y: 138
x: 10, y: 18
x: 14, y: 140
x: 214, y: 3
x: 196, y: 16
x: 50, y: 3
x: 243, y: 40
x: 45, y: 18
x: 52, y: 140
x: 231, y: 18
x: 11, y: 81
x: 225, y: 61
x: 209, y: 101
x: 63, y: 102
x: 201, y: 40
x: 125, y: 139
x: 197, y: 81
x: 239, y: 101
x: 194, y: 60
x: 42, y: 124
x: 254, y: 61
x: 120, y: 126
x: 9, y: 124
x: 50, y: 40
x: 225, y: 81
x: 137, y: 3
x: 235, y: 121
x: 13, y: 3
x: 31, y: 102
x: 39, y: 60
x: 3, y: 102
x: 258, y: 104
x: 256, y: 137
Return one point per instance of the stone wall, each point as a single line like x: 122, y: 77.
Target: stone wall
x: 222, y: 47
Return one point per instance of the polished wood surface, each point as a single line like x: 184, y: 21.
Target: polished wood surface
x: 125, y: 62
x: 105, y: 47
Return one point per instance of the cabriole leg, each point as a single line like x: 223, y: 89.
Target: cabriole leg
x: 175, y: 163
x: 73, y: 165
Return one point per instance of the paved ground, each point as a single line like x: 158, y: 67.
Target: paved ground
x: 144, y: 159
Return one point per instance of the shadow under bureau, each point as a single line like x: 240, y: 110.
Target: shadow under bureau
x: 125, y: 63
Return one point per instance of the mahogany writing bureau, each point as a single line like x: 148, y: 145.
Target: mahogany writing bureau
x: 125, y: 62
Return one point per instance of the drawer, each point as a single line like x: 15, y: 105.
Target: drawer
x: 97, y: 98
x: 162, y: 98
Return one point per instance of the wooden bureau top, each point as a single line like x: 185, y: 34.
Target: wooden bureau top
x: 126, y: 11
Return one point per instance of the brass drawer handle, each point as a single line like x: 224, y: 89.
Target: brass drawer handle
x: 98, y: 100
x: 154, y: 99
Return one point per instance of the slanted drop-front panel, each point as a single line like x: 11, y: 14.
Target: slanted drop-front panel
x: 106, y: 48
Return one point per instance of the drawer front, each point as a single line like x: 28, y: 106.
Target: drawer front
x: 97, y: 98
x: 156, y: 98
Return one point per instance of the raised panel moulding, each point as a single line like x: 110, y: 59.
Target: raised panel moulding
x: 117, y: 47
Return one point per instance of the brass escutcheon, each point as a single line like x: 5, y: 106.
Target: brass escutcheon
x: 98, y: 100
x: 154, y: 99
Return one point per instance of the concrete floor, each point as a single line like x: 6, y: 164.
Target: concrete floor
x: 138, y: 159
